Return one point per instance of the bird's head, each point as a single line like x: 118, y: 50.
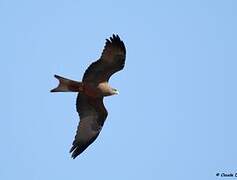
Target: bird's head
x: 115, y: 91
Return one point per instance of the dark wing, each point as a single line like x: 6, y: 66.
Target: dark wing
x: 92, y: 116
x: 112, y: 60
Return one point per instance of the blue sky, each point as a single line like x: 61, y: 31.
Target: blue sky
x: 175, y: 117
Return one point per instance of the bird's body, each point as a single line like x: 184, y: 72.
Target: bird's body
x: 100, y: 90
x: 92, y: 89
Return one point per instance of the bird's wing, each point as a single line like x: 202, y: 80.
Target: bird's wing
x: 92, y: 114
x: 111, y: 61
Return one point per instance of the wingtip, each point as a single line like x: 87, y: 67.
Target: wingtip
x: 75, y: 153
x: 113, y: 38
x: 117, y: 37
x: 72, y: 148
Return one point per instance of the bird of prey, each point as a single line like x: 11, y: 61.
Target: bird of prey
x: 91, y: 91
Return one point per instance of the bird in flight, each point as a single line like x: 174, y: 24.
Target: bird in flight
x: 91, y: 91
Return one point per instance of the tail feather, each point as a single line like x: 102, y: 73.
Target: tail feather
x: 67, y: 85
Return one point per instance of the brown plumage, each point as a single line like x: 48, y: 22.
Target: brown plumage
x: 93, y: 88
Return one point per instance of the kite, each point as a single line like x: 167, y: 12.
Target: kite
x: 91, y: 91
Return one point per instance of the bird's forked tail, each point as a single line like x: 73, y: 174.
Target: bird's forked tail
x: 67, y: 85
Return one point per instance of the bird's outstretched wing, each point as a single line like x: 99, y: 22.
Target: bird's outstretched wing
x: 112, y: 60
x: 92, y: 114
